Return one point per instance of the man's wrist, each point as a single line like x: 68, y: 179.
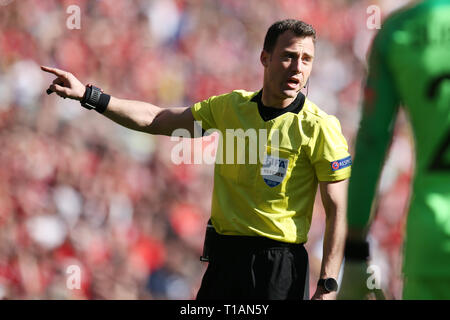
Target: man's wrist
x: 94, y: 98
x: 82, y: 97
x: 328, y: 285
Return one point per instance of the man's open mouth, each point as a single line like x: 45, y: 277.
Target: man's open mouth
x: 293, y: 82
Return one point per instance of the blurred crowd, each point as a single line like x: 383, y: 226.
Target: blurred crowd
x: 79, y: 190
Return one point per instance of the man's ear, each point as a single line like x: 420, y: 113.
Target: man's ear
x: 265, y: 56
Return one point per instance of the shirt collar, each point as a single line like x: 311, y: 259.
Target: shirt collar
x: 270, y: 113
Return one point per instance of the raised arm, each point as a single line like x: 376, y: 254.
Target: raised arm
x: 135, y: 115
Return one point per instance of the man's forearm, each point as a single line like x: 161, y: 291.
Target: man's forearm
x: 333, y: 244
x: 334, y: 199
x: 136, y: 115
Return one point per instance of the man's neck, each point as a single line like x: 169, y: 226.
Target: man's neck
x: 270, y: 101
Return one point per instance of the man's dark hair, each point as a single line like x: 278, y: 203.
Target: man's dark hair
x: 300, y: 29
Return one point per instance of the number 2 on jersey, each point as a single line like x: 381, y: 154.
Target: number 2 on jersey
x: 440, y: 161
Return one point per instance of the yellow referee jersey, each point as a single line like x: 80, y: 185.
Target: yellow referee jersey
x: 274, y: 195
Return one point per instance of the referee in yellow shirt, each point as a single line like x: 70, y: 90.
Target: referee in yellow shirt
x: 261, y: 211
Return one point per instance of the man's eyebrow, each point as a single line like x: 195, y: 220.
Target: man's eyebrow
x: 296, y: 53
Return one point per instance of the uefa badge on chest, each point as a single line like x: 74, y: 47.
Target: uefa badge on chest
x: 274, y: 170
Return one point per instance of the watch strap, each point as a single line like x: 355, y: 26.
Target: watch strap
x: 94, y: 98
x: 328, y: 288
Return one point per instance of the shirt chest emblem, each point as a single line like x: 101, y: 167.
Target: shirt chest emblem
x: 274, y: 170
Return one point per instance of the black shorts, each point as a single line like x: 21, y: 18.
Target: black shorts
x: 243, y: 267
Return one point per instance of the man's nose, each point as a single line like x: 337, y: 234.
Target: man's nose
x: 297, y: 65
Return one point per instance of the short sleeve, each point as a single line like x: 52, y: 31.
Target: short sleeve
x: 209, y: 111
x: 202, y: 112
x: 329, y: 151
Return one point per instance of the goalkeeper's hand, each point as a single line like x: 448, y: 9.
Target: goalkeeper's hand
x: 355, y: 283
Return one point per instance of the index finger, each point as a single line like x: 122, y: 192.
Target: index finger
x: 55, y: 71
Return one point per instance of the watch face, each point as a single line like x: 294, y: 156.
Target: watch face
x: 330, y: 285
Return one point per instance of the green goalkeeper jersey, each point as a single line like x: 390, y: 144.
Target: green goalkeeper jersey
x: 409, y: 65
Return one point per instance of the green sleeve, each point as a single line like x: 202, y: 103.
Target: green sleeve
x: 380, y: 107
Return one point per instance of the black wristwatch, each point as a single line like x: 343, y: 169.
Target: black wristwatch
x: 329, y: 284
x: 94, y: 98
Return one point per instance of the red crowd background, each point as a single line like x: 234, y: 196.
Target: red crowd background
x: 79, y: 190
